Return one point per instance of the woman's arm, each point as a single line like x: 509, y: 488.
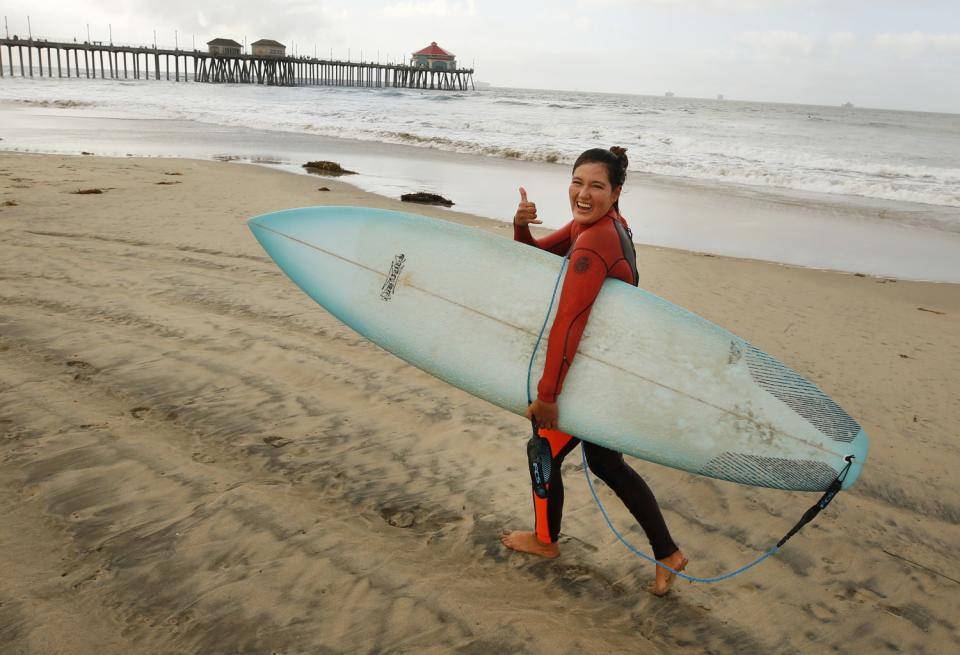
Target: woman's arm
x: 581, y: 285
x: 558, y: 242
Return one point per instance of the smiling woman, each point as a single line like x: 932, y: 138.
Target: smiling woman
x: 599, y: 243
x: 594, y: 188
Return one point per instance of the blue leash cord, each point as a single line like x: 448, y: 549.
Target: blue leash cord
x: 810, y: 514
x: 633, y: 549
x: 536, y: 346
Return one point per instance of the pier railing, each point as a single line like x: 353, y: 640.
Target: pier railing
x: 40, y: 58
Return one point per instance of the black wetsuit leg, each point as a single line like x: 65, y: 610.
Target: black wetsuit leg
x: 609, y: 466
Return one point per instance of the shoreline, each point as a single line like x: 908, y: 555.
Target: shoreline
x: 796, y: 228
x: 486, y: 221
x: 195, y: 457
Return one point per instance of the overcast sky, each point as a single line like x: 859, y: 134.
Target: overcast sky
x: 901, y: 54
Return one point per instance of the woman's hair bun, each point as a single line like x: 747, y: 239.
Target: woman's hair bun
x: 620, y: 154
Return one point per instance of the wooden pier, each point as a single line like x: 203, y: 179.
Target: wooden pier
x: 39, y: 58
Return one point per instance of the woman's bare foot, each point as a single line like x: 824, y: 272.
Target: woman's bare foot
x: 665, y: 578
x: 527, y: 542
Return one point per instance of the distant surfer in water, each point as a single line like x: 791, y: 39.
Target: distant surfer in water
x: 598, y: 241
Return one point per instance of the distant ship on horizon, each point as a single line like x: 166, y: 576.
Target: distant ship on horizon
x: 847, y: 105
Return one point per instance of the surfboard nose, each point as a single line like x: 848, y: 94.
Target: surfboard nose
x: 316, y: 225
x: 285, y: 220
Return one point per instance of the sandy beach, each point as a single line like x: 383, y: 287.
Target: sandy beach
x: 196, y: 458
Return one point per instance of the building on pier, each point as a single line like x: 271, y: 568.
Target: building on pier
x: 224, y: 47
x: 268, y: 48
x: 434, y: 58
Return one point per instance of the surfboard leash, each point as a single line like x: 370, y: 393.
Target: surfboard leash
x: 808, y: 516
x: 540, y: 460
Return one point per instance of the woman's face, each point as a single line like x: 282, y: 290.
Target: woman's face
x: 591, y: 195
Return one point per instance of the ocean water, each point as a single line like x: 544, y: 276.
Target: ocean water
x: 888, y: 181
x: 881, y: 154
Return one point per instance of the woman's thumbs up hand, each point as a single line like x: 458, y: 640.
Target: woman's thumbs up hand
x: 526, y: 211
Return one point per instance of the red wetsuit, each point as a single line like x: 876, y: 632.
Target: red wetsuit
x: 596, y: 253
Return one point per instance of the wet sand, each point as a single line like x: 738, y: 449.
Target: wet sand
x: 196, y: 458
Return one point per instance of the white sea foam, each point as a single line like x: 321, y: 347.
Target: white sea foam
x: 886, y: 155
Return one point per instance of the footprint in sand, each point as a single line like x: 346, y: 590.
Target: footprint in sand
x: 399, y: 519
x: 94, y: 577
x: 85, y: 370
x: 574, y: 573
x: 185, y: 616
x: 821, y: 611
x: 138, y: 412
x: 425, y: 520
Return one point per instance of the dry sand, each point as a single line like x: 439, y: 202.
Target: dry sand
x: 196, y: 458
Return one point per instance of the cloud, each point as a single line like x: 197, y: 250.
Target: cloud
x: 779, y: 43
x: 134, y: 20
x: 784, y: 44
x: 725, y: 6
x: 912, y: 44
x: 434, y: 8
x: 839, y: 40
x: 839, y: 43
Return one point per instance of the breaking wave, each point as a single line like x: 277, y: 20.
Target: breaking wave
x: 902, y: 156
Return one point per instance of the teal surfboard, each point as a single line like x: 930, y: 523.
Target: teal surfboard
x: 650, y: 379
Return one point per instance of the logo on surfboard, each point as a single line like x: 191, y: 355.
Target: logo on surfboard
x: 736, y: 352
x: 386, y: 291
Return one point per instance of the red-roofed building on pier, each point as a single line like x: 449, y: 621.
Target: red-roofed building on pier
x: 434, y: 58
